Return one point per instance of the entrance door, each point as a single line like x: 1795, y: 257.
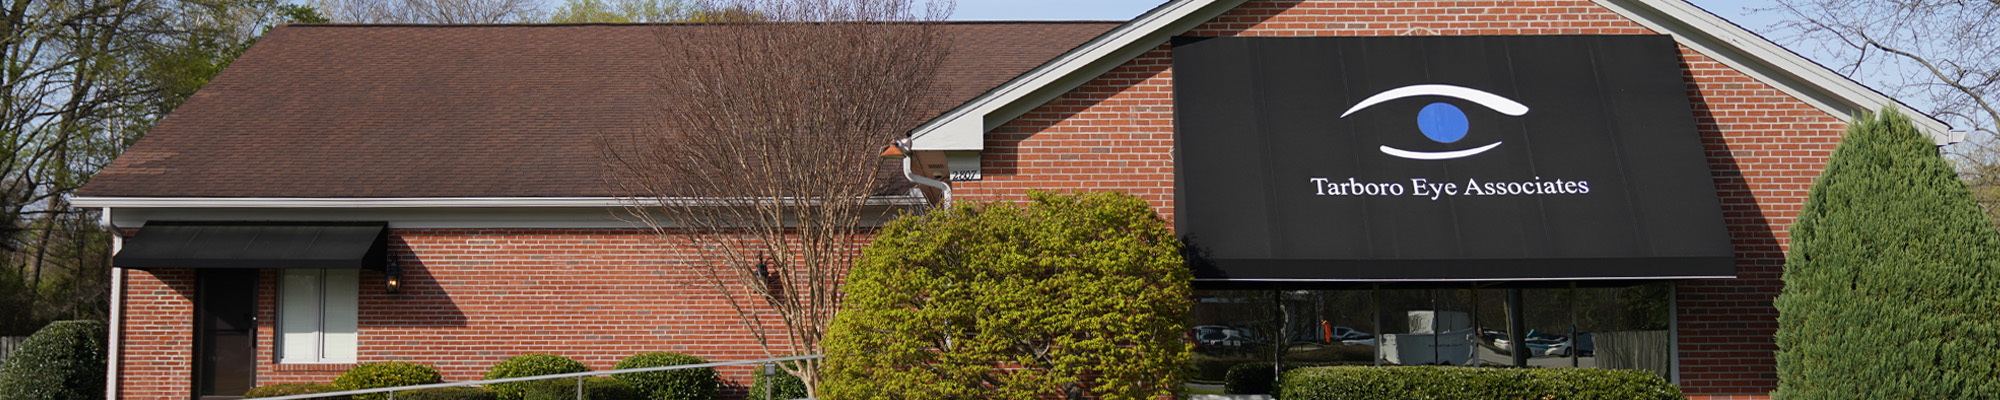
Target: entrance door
x: 225, y: 333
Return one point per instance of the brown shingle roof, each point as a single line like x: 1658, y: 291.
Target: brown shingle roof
x: 380, y: 111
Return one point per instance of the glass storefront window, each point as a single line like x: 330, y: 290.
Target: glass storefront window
x: 1622, y: 327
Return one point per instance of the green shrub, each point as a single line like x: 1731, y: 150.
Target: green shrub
x: 531, y: 364
x: 289, y: 389
x: 680, y: 384
x: 62, y: 361
x: 1892, y: 278
x: 1033, y: 297
x: 1256, y: 377
x: 782, y: 386
x: 385, y: 374
x: 1334, y: 353
x: 1465, y: 383
x: 448, y: 393
x: 593, y: 389
x: 1212, y: 369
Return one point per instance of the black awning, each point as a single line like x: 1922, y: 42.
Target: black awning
x: 180, y: 244
x: 1444, y: 159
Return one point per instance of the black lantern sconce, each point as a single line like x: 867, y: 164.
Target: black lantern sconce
x: 394, y: 281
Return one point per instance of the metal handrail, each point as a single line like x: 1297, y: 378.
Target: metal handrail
x: 579, y: 375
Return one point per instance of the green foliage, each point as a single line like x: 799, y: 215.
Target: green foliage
x: 63, y: 361
x: 593, y: 389
x: 385, y: 374
x: 1463, y: 383
x: 1891, y: 286
x: 448, y: 393
x: 530, y: 364
x: 680, y: 384
x: 289, y: 389
x: 623, y: 11
x: 1215, y: 368
x: 1207, y: 368
x: 1015, y: 301
x: 1257, y: 377
x: 84, y: 80
x: 300, y: 14
x: 781, y: 386
x: 1333, y: 353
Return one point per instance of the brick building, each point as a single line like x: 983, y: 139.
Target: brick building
x: 460, y: 157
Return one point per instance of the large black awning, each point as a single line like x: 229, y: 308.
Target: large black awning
x: 182, y: 244
x: 1443, y: 159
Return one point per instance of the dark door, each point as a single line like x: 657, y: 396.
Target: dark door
x: 225, y: 332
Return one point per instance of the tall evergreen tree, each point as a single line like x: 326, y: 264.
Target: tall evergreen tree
x: 1892, y: 286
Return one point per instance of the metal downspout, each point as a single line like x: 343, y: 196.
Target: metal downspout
x: 116, y: 346
x: 909, y: 172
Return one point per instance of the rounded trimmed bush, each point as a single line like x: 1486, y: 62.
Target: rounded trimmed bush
x: 64, y: 360
x: 385, y: 374
x: 289, y: 389
x: 786, y: 387
x: 1256, y: 377
x: 1096, y: 281
x: 682, y: 384
x: 530, y: 364
x: 593, y: 389
x: 448, y: 393
x: 1466, y: 383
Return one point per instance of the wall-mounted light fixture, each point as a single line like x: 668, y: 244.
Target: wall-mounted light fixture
x: 894, y: 151
x: 394, y: 283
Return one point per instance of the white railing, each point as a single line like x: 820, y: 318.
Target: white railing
x: 576, y: 375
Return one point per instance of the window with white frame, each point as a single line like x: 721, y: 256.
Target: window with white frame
x: 317, y: 314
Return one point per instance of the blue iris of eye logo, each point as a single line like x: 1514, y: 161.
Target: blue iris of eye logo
x: 1442, y: 122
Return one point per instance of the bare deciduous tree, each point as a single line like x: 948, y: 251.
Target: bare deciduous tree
x: 431, y: 11
x: 84, y: 78
x: 1942, y: 54
x: 765, y: 155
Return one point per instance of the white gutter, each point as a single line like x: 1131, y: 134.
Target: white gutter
x: 425, y: 202
x: 116, y: 347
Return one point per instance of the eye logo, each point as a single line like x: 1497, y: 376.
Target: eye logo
x: 1442, y: 122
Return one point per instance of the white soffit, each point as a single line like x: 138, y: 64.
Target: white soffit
x: 413, y: 202
x: 964, y: 127
x: 413, y: 213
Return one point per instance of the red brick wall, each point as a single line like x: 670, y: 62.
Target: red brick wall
x: 599, y: 295
x: 1116, y: 133
x: 158, y: 335
x: 471, y: 298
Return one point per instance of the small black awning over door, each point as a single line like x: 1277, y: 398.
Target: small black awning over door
x: 185, y: 244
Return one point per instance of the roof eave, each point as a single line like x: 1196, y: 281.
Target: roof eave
x: 964, y: 128
x: 426, y: 202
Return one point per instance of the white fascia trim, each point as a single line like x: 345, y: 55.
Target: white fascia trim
x: 964, y: 128
x: 416, y: 202
x: 1768, y: 62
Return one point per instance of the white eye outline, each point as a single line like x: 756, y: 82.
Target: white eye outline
x: 1493, y: 101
